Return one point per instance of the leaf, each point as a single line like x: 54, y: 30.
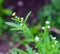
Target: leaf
x: 18, y: 28
x: 15, y: 50
x: 56, y: 3
x: 27, y: 16
x: 28, y: 40
x: 47, y: 10
x: 11, y: 24
x: 1, y: 1
x: 7, y: 11
x: 29, y: 50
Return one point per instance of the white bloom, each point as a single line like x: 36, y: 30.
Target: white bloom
x: 36, y: 53
x: 48, y: 26
x: 47, y: 22
x: 54, y: 38
x: 14, y: 14
x: 37, y: 38
x: 43, y: 27
x: 22, y: 19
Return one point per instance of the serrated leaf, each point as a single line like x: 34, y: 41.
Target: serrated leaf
x: 12, y: 24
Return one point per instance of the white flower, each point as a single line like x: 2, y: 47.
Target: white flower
x: 54, y: 38
x: 36, y: 53
x: 48, y: 26
x: 47, y: 22
x: 22, y: 19
x: 14, y: 14
x: 43, y: 27
x: 37, y: 38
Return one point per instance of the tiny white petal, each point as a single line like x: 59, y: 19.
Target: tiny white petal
x: 43, y: 27
x: 36, y: 53
x: 22, y: 19
x: 47, y: 22
x: 14, y: 14
x: 48, y: 26
x: 54, y: 38
x: 37, y: 38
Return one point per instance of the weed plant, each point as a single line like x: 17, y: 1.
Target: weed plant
x: 44, y: 41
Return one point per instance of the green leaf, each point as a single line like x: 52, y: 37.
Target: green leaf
x: 1, y: 22
x: 15, y: 50
x: 7, y: 11
x: 47, y: 10
x: 18, y: 28
x: 56, y: 3
x: 11, y: 24
x: 27, y: 16
x: 28, y: 40
x: 1, y: 2
x: 29, y: 50
x: 58, y: 19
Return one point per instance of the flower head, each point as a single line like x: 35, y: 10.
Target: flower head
x: 37, y: 38
x: 14, y: 14
x: 43, y: 27
x: 47, y: 22
x: 54, y: 38
x: 22, y: 19
x: 36, y: 53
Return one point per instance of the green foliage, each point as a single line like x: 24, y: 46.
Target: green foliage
x: 52, y: 10
x: 56, y: 4
x: 15, y: 51
x: 28, y: 49
x: 3, y: 12
x: 44, y: 41
x: 1, y: 2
